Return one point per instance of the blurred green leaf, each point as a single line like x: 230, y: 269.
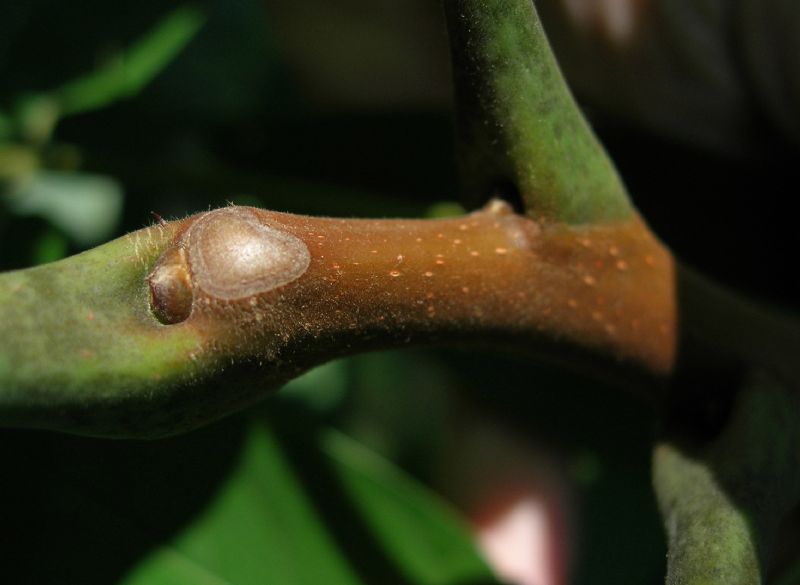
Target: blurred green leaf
x: 86, y: 207
x: 50, y: 246
x: 17, y: 163
x: 308, y: 508
x: 422, y: 534
x: 261, y: 528
x: 5, y: 127
x: 131, y: 71
x: 321, y: 389
x: 388, y: 389
x: 35, y: 117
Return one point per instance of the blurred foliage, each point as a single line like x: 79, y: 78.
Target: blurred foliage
x: 305, y: 506
x: 274, y: 493
x: 218, y: 116
x: 85, y: 207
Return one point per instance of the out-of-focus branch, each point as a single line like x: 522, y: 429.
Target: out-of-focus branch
x: 722, y: 502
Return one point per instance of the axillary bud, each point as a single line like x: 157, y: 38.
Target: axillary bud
x: 228, y: 254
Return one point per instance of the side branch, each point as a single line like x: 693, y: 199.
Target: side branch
x: 517, y: 121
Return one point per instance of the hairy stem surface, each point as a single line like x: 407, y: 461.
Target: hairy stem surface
x: 518, y: 124
x: 130, y: 337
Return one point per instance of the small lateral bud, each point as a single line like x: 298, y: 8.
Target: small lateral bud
x: 228, y: 255
x: 499, y: 207
x: 171, y: 288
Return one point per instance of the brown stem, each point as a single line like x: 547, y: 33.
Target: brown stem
x: 605, y: 293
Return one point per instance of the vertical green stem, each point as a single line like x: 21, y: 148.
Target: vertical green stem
x: 517, y: 121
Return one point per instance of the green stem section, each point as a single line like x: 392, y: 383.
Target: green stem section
x: 722, y: 503
x: 708, y: 537
x: 517, y: 121
x: 80, y: 350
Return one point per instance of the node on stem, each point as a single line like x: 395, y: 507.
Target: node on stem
x: 228, y: 254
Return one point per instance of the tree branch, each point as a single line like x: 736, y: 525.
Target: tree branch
x: 130, y: 338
